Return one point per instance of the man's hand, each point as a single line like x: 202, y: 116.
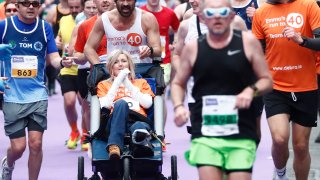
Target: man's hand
x: 68, y: 61
x: 181, y: 116
x: 244, y: 99
x: 5, y: 52
x: 250, y: 11
x: 292, y: 35
x: 145, y: 51
x: 3, y: 84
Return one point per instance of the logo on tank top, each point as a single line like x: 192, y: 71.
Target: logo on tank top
x: 13, y: 44
x: 134, y: 39
x: 38, y: 46
x: 295, y: 20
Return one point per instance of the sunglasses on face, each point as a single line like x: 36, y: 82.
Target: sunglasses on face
x: 28, y: 3
x: 11, y: 10
x: 212, y: 12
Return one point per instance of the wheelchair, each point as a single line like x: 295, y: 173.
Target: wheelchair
x: 130, y: 167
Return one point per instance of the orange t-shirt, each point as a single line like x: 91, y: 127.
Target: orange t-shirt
x: 292, y: 66
x: 318, y: 63
x: 83, y: 35
x: 2, y: 11
x: 124, y: 93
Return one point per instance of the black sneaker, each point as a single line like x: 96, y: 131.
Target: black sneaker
x: 142, y: 150
x: 140, y: 136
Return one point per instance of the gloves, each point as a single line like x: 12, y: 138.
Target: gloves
x: 5, y: 52
x: 107, y: 100
x: 121, y: 76
x: 145, y: 100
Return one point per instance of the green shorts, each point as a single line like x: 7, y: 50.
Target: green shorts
x: 167, y: 72
x: 227, y: 154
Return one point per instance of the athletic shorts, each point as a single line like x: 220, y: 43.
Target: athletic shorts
x: 82, y: 82
x: 167, y: 72
x: 231, y: 155
x: 257, y: 104
x: 301, y: 106
x: 19, y: 116
x: 68, y: 83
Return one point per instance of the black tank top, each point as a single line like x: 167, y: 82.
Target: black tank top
x: 225, y: 71
x: 56, y: 26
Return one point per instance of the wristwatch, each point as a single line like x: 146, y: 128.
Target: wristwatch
x: 255, y: 89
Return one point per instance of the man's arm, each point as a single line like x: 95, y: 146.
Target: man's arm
x: 255, y: 55
x: 92, y: 43
x: 307, y: 42
x: 152, y: 32
x: 181, y: 35
x: 74, y: 38
x: 238, y: 23
x: 180, y: 10
x: 58, y: 62
x: 178, y: 85
x: 188, y: 14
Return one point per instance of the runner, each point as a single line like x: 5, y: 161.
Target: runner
x: 224, y: 125
x: 286, y: 29
x: 25, y: 103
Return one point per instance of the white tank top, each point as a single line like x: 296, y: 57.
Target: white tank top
x: 193, y: 34
x: 129, y: 40
x: 192, y: 29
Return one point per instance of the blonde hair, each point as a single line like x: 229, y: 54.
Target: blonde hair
x: 114, y: 55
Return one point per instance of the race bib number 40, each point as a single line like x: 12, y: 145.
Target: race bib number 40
x: 219, y: 116
x: 24, y: 66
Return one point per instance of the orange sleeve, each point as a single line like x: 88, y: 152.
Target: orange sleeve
x: 256, y: 26
x: 146, y: 89
x: 314, y: 13
x: 103, y: 88
x: 2, y: 11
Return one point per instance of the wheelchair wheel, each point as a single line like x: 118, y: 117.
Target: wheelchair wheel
x: 174, y: 169
x: 126, y: 169
x: 80, y: 168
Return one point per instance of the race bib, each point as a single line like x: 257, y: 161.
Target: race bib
x: 219, y: 116
x: 133, y: 104
x: 24, y: 66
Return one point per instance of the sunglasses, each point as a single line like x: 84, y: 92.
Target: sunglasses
x: 11, y: 10
x: 28, y: 3
x: 210, y: 13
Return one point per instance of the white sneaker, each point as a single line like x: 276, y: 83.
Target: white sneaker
x: 5, y: 170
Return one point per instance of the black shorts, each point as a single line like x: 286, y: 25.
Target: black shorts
x: 68, y: 83
x: 301, y: 106
x: 82, y: 82
x: 257, y: 104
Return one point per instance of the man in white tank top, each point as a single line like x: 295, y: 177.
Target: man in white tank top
x: 128, y: 28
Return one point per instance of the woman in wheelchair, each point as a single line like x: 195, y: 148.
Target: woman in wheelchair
x: 128, y: 99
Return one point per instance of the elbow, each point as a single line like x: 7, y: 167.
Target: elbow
x: 146, y: 101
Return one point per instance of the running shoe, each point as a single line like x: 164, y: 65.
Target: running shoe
x: 164, y: 146
x: 84, y: 145
x: 5, y: 170
x: 73, y: 140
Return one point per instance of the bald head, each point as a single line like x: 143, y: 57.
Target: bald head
x: 215, y: 4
